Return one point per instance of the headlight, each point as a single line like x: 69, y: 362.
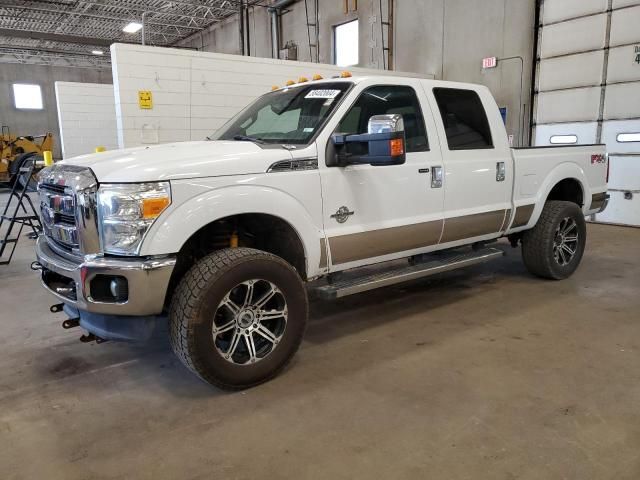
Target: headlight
x: 127, y: 211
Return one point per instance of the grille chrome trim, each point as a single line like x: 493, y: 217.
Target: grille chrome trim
x: 68, y: 207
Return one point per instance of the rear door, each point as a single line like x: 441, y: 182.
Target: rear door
x: 478, y: 166
x: 377, y: 213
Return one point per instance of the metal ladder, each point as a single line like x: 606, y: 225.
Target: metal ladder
x: 23, y: 213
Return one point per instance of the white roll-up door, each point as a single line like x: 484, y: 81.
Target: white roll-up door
x: 588, y: 89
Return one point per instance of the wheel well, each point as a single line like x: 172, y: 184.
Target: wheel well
x: 255, y: 230
x: 569, y: 190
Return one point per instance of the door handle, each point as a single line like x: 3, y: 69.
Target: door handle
x: 436, y: 177
x: 501, y: 172
x: 423, y: 170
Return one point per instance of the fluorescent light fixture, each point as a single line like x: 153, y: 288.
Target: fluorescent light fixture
x: 97, y: 52
x: 27, y: 96
x: 133, y: 27
x: 563, y: 139
x: 628, y: 137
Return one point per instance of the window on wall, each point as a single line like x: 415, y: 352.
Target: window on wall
x: 464, y: 118
x: 388, y: 99
x: 27, y: 96
x: 345, y: 38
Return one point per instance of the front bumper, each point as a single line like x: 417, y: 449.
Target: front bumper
x: 71, y: 279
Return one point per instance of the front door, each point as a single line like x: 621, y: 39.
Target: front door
x: 378, y: 213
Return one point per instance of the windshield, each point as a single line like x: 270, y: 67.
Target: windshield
x: 287, y: 116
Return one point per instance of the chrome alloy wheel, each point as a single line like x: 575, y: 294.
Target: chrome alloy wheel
x: 249, y: 322
x: 565, y: 241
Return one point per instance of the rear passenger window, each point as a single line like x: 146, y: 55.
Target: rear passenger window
x: 387, y: 99
x: 465, y: 121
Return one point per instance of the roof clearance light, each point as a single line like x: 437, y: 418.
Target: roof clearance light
x: 628, y: 137
x: 345, y: 74
x: 563, y: 139
x: 132, y: 27
x: 317, y: 76
x: 289, y: 83
x: 303, y: 80
x: 275, y: 87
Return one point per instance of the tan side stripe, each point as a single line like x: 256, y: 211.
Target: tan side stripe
x: 323, y: 253
x: 469, y: 226
x: 375, y: 243
x: 523, y: 214
x: 597, y: 200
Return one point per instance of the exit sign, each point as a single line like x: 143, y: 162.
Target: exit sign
x: 489, y: 62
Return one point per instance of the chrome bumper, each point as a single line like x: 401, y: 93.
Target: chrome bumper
x: 147, y: 279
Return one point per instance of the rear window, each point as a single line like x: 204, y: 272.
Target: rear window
x: 465, y: 121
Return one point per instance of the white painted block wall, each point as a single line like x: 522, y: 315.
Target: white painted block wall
x: 194, y: 93
x: 87, y: 117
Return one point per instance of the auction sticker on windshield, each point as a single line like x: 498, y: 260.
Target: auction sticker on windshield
x: 322, y: 94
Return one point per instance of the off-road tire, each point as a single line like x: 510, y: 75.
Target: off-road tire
x: 197, y: 297
x: 538, y: 243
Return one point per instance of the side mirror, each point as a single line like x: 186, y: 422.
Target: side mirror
x: 384, y: 144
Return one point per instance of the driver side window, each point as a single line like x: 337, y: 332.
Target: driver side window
x: 388, y: 99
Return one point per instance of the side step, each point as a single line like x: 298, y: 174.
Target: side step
x: 437, y: 263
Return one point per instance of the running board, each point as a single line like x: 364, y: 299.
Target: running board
x: 441, y: 262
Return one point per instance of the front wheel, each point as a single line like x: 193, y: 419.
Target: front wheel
x: 554, y: 247
x: 237, y: 317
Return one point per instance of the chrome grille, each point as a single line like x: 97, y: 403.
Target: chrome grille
x: 58, y: 215
x: 68, y: 208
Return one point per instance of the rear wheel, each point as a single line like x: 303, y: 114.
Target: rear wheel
x: 554, y: 247
x: 237, y: 317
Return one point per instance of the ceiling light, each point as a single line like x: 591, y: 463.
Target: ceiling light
x: 97, y: 52
x: 133, y: 27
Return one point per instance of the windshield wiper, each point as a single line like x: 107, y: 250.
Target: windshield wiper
x: 245, y: 138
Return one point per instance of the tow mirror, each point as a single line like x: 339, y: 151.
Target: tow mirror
x: 383, y: 144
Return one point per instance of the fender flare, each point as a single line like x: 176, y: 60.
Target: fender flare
x: 178, y: 224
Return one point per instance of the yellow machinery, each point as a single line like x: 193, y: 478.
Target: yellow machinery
x: 13, y: 150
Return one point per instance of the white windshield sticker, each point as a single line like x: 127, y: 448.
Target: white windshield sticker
x: 322, y: 94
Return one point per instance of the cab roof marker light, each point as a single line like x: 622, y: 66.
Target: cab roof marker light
x: 317, y: 76
x: 303, y: 80
x: 346, y: 74
x: 289, y: 83
x: 274, y: 88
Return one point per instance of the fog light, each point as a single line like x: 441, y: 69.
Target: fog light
x: 119, y: 289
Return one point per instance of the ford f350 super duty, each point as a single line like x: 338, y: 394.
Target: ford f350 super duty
x: 307, y: 185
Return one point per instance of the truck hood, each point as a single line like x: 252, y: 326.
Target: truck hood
x: 174, y: 161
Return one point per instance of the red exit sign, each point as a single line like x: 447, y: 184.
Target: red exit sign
x: 489, y: 62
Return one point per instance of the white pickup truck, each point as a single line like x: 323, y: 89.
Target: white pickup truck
x: 306, y: 185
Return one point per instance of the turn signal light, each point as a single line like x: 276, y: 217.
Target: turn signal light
x: 396, y: 147
x: 317, y: 76
x: 345, y: 74
x: 153, y: 207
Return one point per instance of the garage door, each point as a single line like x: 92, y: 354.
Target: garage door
x: 588, y: 89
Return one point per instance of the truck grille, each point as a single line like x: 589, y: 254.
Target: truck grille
x: 68, y: 208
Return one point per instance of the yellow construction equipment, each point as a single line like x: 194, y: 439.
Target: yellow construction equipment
x: 15, y: 149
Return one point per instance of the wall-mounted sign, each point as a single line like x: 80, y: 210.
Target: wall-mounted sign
x: 503, y: 114
x: 489, y: 62
x: 636, y: 54
x: 145, y: 99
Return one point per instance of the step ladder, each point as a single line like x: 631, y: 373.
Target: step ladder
x: 424, y: 266
x: 18, y: 210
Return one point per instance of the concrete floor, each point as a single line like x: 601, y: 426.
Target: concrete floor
x: 485, y: 373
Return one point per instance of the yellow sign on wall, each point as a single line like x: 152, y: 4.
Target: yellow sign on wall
x: 145, y: 99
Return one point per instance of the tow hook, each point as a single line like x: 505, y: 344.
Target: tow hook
x: 71, y: 323
x: 56, y: 308
x: 90, y: 337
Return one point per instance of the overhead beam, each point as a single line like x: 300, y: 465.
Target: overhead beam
x: 57, y: 37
